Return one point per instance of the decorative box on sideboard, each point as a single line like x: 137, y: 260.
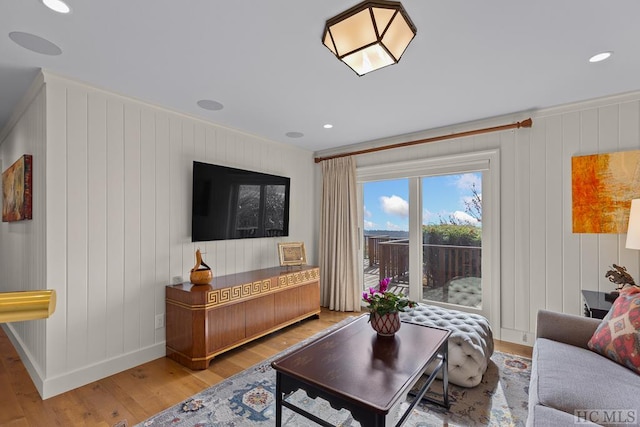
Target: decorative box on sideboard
x: 203, y: 321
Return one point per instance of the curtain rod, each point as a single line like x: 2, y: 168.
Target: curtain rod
x: 523, y: 124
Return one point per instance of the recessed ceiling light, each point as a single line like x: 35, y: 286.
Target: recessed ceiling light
x: 328, y: 126
x: 57, y: 6
x: 294, y: 134
x: 35, y: 43
x: 208, y: 104
x: 600, y: 56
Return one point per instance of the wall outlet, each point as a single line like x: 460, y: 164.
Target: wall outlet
x: 159, y: 321
x: 524, y: 337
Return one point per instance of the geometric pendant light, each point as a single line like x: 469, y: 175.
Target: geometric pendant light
x: 370, y: 35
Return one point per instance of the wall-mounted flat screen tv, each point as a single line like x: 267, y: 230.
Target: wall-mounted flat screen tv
x: 231, y: 203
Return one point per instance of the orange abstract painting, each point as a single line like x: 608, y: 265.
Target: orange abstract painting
x: 602, y: 188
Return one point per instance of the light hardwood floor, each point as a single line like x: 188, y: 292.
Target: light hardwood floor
x: 134, y: 395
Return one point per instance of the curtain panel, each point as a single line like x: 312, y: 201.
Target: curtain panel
x: 340, y: 289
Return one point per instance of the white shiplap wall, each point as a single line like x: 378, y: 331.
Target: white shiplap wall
x: 543, y: 264
x: 118, y: 227
x: 22, y: 243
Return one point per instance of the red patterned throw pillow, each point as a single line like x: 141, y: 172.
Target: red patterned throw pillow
x: 618, y: 336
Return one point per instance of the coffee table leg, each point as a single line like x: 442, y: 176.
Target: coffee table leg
x: 445, y: 374
x: 278, y: 400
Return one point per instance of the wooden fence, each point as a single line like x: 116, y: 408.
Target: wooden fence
x: 373, y: 248
x: 441, y: 263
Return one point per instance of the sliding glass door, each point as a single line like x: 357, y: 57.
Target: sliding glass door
x: 452, y: 239
x: 386, y: 233
x: 434, y: 231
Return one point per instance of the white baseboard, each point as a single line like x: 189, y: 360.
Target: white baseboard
x: 88, y: 374
x: 49, y: 387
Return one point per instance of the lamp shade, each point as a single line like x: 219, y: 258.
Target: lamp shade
x: 370, y: 35
x: 633, y: 231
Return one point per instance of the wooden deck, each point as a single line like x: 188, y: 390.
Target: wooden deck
x: 372, y: 279
x: 436, y: 293
x: 371, y: 275
x: 444, y: 265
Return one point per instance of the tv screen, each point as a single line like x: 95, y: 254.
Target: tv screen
x: 231, y: 203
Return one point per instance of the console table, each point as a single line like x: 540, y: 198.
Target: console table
x: 203, y: 321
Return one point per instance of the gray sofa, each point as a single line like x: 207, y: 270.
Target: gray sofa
x: 567, y: 378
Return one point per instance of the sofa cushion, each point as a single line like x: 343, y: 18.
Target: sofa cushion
x: 618, y: 336
x: 567, y: 378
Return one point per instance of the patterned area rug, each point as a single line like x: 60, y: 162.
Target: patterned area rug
x: 247, y: 399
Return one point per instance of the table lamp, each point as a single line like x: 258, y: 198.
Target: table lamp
x: 633, y: 231
x: 618, y: 274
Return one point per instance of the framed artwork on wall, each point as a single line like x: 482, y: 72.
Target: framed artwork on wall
x: 292, y: 253
x: 603, y: 186
x: 16, y: 190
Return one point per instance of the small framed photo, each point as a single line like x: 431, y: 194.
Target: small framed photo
x: 292, y: 253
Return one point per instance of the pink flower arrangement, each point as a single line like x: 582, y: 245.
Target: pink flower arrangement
x: 383, y: 301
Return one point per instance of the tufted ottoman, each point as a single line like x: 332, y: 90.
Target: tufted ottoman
x: 465, y: 291
x: 470, y: 343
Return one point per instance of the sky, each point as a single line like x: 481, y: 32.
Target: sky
x: 386, y: 203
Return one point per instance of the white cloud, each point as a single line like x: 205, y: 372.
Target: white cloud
x: 369, y: 225
x: 468, y: 180
x: 464, y: 217
x: 367, y: 213
x: 395, y: 205
x: 429, y: 217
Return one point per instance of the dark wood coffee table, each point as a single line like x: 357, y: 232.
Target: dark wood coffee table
x: 354, y: 369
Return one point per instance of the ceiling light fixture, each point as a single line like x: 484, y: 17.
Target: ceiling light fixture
x: 600, y: 56
x: 370, y: 35
x: 328, y: 126
x: 57, y: 6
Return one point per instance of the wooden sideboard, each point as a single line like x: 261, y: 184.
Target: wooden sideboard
x: 203, y: 321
